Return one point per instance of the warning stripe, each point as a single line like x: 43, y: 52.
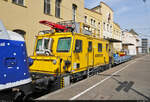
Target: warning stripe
x: 62, y: 83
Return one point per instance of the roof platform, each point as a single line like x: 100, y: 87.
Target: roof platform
x: 127, y: 44
x: 113, y: 40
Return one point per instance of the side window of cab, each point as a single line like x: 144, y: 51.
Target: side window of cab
x: 78, y: 46
x: 90, y: 46
x: 100, y: 47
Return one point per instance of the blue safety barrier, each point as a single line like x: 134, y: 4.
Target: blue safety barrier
x: 121, y: 59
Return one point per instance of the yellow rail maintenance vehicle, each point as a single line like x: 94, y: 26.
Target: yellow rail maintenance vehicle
x: 65, y: 54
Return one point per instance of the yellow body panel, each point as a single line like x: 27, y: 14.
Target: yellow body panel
x: 45, y: 64
x: 83, y: 59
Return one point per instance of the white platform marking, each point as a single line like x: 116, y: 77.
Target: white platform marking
x: 78, y: 95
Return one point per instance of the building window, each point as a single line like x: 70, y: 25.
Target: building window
x: 74, y: 10
x: 99, y: 33
x: 99, y: 26
x: 57, y: 8
x: 111, y: 29
x: 91, y: 21
x: 104, y: 26
x: 85, y: 19
x: 108, y: 27
x: 94, y: 23
x: 19, y: 2
x: 47, y: 6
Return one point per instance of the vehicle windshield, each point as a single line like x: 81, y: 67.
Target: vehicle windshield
x: 64, y: 45
x: 39, y: 45
x: 46, y: 42
x: 42, y: 44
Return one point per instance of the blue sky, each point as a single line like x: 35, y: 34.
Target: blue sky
x: 128, y: 13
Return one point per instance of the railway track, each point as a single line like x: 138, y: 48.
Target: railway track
x: 42, y: 93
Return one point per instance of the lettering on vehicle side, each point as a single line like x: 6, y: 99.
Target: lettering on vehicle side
x: 98, y: 55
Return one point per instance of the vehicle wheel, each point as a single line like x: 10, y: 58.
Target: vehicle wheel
x: 18, y: 97
x: 28, y: 99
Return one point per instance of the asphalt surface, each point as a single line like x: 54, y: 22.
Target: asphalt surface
x: 128, y: 81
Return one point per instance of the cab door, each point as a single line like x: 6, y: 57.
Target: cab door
x: 99, y: 57
x: 90, y: 54
x: 107, y: 53
x: 79, y: 57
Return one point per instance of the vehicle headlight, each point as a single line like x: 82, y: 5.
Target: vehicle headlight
x: 54, y: 61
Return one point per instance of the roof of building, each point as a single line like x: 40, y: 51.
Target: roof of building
x: 93, y: 11
x: 117, y: 24
x: 104, y: 4
x: 133, y: 32
x: 113, y: 40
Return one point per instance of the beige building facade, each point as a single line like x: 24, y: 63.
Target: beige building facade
x: 107, y: 19
x: 24, y: 15
x: 100, y: 19
x: 129, y: 42
x: 94, y: 20
x: 117, y: 34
